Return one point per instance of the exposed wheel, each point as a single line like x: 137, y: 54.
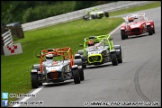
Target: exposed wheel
x: 114, y: 59
x: 76, y: 76
x: 123, y: 35
x: 81, y: 74
x: 106, y: 14
x: 120, y: 59
x: 84, y: 66
x: 34, y: 80
x: 94, y: 16
x: 81, y: 52
x: 150, y: 31
x: 154, y: 29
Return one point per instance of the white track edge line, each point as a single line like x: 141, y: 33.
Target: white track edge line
x: 26, y: 98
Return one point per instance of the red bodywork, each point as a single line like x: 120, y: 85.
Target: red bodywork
x: 138, y: 26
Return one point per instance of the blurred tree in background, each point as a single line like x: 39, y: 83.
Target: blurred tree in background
x: 27, y: 11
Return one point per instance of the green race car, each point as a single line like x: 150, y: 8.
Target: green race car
x: 98, y: 50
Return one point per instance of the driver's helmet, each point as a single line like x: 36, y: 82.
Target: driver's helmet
x: 49, y: 57
x: 130, y: 19
x: 90, y: 43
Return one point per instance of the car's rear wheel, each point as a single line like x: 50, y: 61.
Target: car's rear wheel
x: 120, y: 59
x: 154, y: 29
x: 84, y: 66
x: 150, y: 31
x: 114, y: 59
x: 34, y: 80
x: 76, y: 76
x: 81, y: 74
x: 106, y: 14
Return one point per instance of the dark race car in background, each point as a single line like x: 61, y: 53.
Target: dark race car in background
x: 136, y: 24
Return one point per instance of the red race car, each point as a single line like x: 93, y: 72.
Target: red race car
x: 136, y: 24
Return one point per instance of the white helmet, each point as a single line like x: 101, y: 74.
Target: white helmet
x: 49, y: 57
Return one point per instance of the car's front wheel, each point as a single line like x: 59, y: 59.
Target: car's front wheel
x: 120, y: 59
x: 76, y: 76
x: 114, y: 59
x: 123, y: 35
x: 34, y: 80
x: 106, y: 14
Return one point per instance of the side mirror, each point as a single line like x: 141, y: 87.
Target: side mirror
x: 38, y: 56
x: 81, y: 45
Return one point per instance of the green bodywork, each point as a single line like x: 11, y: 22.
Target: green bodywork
x: 96, y: 10
x: 89, y: 11
x: 107, y: 39
x: 94, y: 57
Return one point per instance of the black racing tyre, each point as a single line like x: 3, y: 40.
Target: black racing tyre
x: 154, y: 29
x: 94, y: 16
x: 120, y: 58
x: 114, y: 59
x: 34, y: 80
x: 81, y: 74
x: 40, y: 83
x: 150, y: 31
x: 76, y: 76
x: 123, y: 35
x: 106, y: 14
x: 84, y: 66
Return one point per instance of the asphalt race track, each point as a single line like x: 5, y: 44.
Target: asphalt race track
x: 137, y: 80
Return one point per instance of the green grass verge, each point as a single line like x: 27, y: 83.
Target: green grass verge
x: 15, y: 70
